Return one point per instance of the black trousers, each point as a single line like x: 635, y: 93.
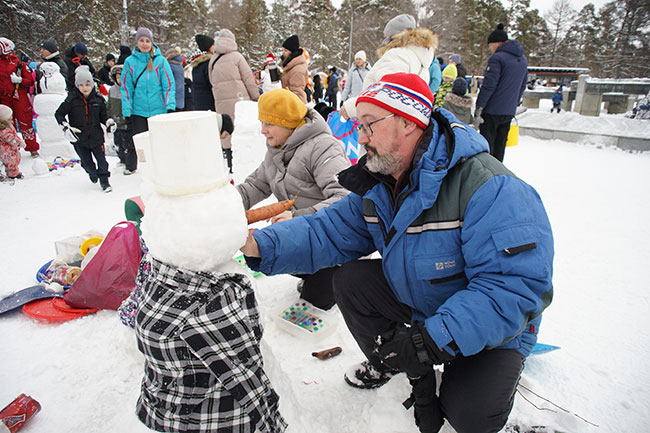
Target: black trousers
x: 476, y: 392
x: 495, y: 130
x: 134, y: 125
x: 317, y: 288
x: 126, y: 149
x: 86, y: 155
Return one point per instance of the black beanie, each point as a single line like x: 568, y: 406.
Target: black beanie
x: 110, y: 56
x: 498, y: 35
x: 459, y: 87
x: 50, y: 45
x: 204, y: 42
x: 292, y: 44
x: 124, y: 50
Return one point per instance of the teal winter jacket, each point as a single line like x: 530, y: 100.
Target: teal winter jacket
x: 465, y: 243
x: 155, y: 89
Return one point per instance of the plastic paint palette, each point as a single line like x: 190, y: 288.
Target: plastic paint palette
x: 303, y: 319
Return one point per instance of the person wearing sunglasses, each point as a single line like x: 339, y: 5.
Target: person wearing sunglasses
x: 464, y: 267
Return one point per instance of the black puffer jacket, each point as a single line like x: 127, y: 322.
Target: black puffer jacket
x: 85, y: 114
x: 72, y: 61
x: 201, y: 87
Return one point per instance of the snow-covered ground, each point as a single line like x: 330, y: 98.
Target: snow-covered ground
x: 86, y: 373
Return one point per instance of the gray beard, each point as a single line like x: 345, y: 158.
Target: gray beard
x: 388, y: 164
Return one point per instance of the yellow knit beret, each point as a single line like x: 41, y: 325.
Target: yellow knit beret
x: 281, y: 107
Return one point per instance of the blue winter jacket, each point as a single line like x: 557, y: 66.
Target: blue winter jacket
x: 556, y: 97
x: 155, y: 92
x: 469, y: 247
x: 435, y: 76
x: 176, y: 65
x: 504, y: 80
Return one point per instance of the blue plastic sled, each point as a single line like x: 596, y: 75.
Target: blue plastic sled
x: 541, y: 348
x: 22, y: 297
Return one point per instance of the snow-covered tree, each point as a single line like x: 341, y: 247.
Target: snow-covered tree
x: 559, y: 18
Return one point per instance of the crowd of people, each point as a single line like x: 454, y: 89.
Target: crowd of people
x: 465, y: 247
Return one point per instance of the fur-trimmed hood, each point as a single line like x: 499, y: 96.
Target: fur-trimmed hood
x: 463, y: 101
x: 200, y: 58
x: 419, y: 37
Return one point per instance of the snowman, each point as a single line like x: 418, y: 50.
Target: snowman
x: 52, y: 85
x: 198, y: 322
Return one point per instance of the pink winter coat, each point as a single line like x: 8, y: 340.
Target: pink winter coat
x: 231, y: 78
x: 294, y: 76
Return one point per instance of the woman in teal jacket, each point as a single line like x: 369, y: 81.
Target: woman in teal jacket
x: 148, y: 86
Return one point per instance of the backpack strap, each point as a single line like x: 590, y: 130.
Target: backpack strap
x: 215, y: 61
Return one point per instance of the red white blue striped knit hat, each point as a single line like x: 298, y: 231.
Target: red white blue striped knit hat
x: 406, y: 95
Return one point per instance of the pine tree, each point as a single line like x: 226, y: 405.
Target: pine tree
x: 580, y: 45
x: 252, y: 33
x: 530, y: 29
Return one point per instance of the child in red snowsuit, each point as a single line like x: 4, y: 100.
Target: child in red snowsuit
x: 10, y: 144
x: 15, y: 81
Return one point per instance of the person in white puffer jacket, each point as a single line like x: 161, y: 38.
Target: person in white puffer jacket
x: 405, y: 48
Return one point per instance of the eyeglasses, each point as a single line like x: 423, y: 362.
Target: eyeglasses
x: 366, y: 128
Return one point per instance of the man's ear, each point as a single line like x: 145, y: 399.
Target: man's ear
x: 409, y: 126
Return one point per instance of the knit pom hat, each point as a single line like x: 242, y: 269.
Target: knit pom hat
x: 6, y: 46
x: 50, y: 45
x: 398, y: 25
x: 81, y: 49
x: 143, y: 31
x: 406, y: 95
x: 459, y: 87
x: 498, y: 35
x: 270, y: 58
x: 450, y: 71
x: 83, y: 76
x: 204, y: 42
x: 292, y: 43
x: 360, y: 55
x: 455, y: 58
x: 5, y: 112
x: 282, y: 107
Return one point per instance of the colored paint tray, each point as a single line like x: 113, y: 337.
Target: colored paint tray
x: 302, y: 319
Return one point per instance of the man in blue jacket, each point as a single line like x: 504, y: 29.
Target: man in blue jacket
x: 466, y: 259
x: 501, y: 91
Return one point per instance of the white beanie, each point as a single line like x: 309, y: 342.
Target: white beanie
x: 360, y: 55
x: 83, y: 76
x: 6, y: 46
x: 5, y: 112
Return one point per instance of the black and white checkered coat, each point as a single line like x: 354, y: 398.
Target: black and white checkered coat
x: 200, y: 334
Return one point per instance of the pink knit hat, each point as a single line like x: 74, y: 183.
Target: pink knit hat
x: 406, y: 95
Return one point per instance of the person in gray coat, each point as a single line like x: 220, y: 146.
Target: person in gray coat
x: 356, y: 75
x: 302, y: 156
x: 458, y: 102
x: 175, y: 60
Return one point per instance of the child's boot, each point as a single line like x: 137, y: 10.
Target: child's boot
x: 106, y: 187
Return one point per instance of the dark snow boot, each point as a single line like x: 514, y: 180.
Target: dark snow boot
x: 428, y: 416
x: 106, y: 187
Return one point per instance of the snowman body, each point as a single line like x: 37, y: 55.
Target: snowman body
x: 52, y: 85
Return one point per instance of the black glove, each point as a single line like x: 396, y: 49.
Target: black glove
x: 410, y: 349
x: 226, y: 124
x: 428, y: 416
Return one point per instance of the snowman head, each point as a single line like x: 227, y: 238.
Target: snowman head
x: 49, y: 69
x: 194, y: 217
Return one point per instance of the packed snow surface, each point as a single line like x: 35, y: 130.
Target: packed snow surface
x: 86, y: 373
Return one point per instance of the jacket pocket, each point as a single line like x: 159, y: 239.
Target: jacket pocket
x: 517, y: 251
x: 440, y: 268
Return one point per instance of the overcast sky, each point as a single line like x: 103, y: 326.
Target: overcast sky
x: 542, y: 5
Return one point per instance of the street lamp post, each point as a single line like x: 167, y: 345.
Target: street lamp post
x: 125, y: 30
